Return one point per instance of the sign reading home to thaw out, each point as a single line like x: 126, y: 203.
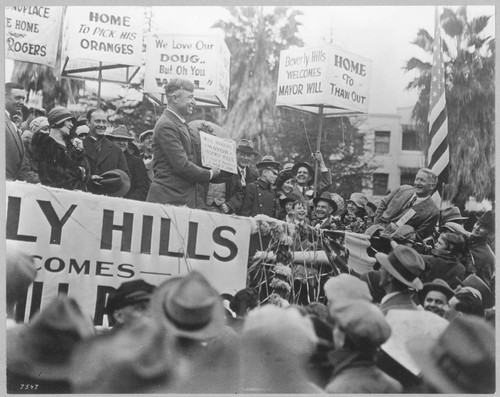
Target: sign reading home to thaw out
x: 85, y: 245
x: 328, y: 76
x: 105, y: 34
x: 202, y: 59
x: 32, y: 34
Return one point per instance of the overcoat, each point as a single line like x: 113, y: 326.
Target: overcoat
x: 108, y: 158
x: 14, y: 150
x: 259, y: 198
x: 174, y: 162
x: 139, y: 179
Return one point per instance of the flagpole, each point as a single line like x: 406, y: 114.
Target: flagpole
x: 318, y: 148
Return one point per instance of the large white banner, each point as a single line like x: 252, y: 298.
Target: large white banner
x: 85, y: 245
x: 105, y: 34
x: 204, y: 60
x: 32, y: 34
x: 326, y: 76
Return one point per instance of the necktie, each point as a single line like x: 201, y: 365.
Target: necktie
x: 243, y: 176
x: 411, y: 202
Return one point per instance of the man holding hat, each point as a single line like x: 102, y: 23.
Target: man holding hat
x: 434, y: 296
x: 411, y: 205
x: 128, y: 303
x: 304, y: 176
x: 481, y: 259
x: 245, y: 153
x: 176, y: 172
x: 399, y: 273
x: 259, y: 196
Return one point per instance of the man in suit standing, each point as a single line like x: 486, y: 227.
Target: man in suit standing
x: 245, y: 153
x: 15, y: 95
x: 102, y: 154
x: 175, y: 171
x: 411, y: 205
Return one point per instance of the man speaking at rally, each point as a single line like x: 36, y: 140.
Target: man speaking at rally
x: 411, y: 205
x: 175, y: 171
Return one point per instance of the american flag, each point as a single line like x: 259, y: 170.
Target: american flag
x: 438, y: 154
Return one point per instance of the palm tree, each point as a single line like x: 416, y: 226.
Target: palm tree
x: 255, y: 38
x: 470, y: 95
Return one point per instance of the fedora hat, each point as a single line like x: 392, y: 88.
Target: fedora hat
x: 43, y: 347
x: 358, y: 199
x: 268, y: 162
x: 475, y: 282
x: 133, y: 359
x: 189, y: 306
x: 145, y: 134
x: 129, y: 293
x: 246, y: 146
x: 488, y: 220
x: 115, y: 183
x: 289, y: 197
x: 405, y: 264
x: 120, y: 131
x: 462, y: 360
x: 309, y: 167
x: 326, y: 196
x: 451, y: 214
x: 436, y: 285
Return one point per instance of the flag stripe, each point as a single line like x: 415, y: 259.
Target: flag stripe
x: 439, y: 136
x: 438, y: 122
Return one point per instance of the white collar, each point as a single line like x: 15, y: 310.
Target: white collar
x: 389, y: 296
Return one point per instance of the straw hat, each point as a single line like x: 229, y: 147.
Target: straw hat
x: 405, y: 264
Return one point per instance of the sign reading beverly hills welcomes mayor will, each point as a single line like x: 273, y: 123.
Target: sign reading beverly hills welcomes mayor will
x: 323, y: 76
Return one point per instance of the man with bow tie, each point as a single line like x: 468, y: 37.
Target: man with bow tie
x: 175, y: 171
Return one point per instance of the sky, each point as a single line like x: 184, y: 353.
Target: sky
x: 382, y: 34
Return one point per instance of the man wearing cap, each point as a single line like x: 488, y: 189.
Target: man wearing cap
x: 481, y: 259
x: 245, y: 153
x: 434, y: 296
x: 102, y: 155
x: 175, y: 170
x: 259, y: 196
x: 15, y: 94
x: 411, y: 205
x: 128, y: 302
x: 399, y: 273
x: 304, y: 176
x: 139, y: 181
x: 360, y: 328
x: 146, y: 140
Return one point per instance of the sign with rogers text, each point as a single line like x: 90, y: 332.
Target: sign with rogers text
x: 107, y: 34
x: 218, y: 152
x: 32, y: 34
x: 325, y: 76
x: 85, y: 245
x: 204, y: 60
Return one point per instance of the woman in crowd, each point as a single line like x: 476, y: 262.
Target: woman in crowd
x: 60, y: 155
x: 355, y: 217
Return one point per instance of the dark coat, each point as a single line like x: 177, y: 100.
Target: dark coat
x: 59, y: 166
x: 444, y: 267
x: 355, y: 372
x: 175, y: 171
x: 109, y: 158
x: 401, y: 301
x: 259, y: 198
x: 251, y: 175
x: 482, y: 260
x: 139, y: 180
x: 14, y: 150
x: 392, y: 207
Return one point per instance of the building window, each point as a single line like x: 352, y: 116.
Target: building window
x: 380, y: 183
x: 382, y: 140
x: 408, y: 176
x: 410, y: 139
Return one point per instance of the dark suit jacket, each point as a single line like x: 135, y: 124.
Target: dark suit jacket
x: 109, y: 158
x: 401, y: 301
x: 259, y: 198
x: 139, y: 179
x: 175, y: 171
x: 14, y: 150
x: 391, y: 209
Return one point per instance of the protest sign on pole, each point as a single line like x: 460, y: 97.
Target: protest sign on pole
x: 32, y: 34
x: 325, y: 80
x: 218, y: 152
x: 85, y: 245
x: 105, y: 34
x: 202, y: 59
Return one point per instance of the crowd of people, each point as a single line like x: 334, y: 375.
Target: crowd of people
x: 182, y: 336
